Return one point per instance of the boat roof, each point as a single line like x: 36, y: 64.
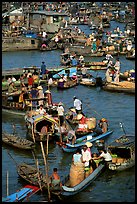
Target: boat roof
x: 40, y: 117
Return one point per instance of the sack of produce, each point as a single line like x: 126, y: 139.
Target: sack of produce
x: 76, y: 174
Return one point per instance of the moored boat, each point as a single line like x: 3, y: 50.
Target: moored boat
x: 123, y: 86
x: 21, y: 194
x: 16, y: 141
x: 123, y: 153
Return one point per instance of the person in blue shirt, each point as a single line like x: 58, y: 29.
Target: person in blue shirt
x: 74, y: 62
x: 43, y: 69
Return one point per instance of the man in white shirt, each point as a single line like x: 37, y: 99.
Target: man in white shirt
x: 77, y: 105
x: 60, y: 110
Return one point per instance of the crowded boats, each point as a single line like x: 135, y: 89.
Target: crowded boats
x: 93, y: 60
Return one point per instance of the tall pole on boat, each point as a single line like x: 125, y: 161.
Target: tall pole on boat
x: 7, y: 183
x: 37, y: 165
x: 46, y: 166
x: 121, y: 125
x: 33, y: 133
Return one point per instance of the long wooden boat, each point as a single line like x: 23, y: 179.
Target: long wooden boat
x: 21, y: 194
x: 123, y: 86
x: 67, y: 190
x: 92, y: 137
x: 16, y: 141
x: 88, y: 82
x: 10, y: 103
x: 130, y: 57
x: 123, y: 153
x: 31, y: 175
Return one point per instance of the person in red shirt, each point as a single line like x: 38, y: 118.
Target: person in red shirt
x: 30, y: 81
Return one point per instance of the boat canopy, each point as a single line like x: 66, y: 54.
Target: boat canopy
x: 72, y: 70
x: 41, y: 117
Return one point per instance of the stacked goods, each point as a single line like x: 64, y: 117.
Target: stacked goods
x: 120, y: 160
x: 91, y: 123
x: 76, y: 174
x: 111, y: 48
x: 114, y: 158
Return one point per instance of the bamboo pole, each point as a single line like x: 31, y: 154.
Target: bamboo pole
x: 7, y: 183
x: 33, y: 133
x: 37, y: 165
x: 46, y: 168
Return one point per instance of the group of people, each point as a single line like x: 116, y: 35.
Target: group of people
x: 113, y: 70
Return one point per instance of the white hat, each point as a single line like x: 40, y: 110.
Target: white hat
x: 60, y: 104
x: 89, y: 144
x: 79, y: 116
x: 39, y: 87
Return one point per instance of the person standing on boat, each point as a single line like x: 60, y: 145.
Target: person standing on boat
x: 40, y: 94
x: 77, y: 157
x: 60, y: 110
x: 117, y: 64
x: 86, y: 155
x: 30, y: 81
x: 77, y: 105
x: 43, y: 69
x: 33, y: 95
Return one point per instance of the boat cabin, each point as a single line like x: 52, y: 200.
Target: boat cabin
x: 43, y: 125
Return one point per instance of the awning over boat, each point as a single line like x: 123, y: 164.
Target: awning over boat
x: 73, y: 70
x: 41, y: 117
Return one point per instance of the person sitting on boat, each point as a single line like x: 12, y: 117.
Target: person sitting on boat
x: 77, y: 104
x: 71, y: 137
x: 55, y: 178
x: 81, y: 59
x: 105, y: 155
x: 84, y: 71
x: 41, y: 110
x: 109, y: 56
x: 103, y: 124
x: 12, y: 88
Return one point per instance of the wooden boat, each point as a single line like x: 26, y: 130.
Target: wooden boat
x: 69, y: 191
x: 123, y: 86
x: 10, y: 102
x: 21, y: 194
x: 31, y: 175
x: 16, y: 141
x: 83, y: 50
x: 91, y: 137
x: 131, y: 57
x: 123, y: 153
x: 67, y: 84
x: 88, y: 82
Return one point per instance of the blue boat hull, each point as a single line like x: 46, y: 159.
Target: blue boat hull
x: 81, y: 141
